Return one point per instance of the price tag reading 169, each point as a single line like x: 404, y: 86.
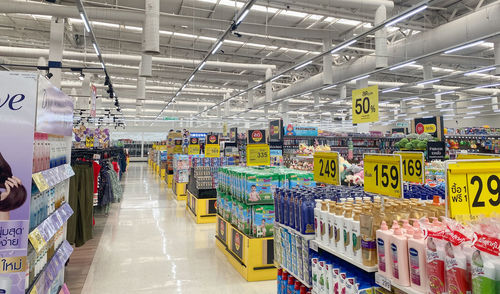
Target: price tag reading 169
x: 413, y: 166
x: 326, y: 168
x: 383, y: 174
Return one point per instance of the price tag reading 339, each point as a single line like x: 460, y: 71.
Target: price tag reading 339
x: 326, y: 168
x: 473, y: 187
x: 258, y: 154
x: 383, y: 174
x: 413, y: 166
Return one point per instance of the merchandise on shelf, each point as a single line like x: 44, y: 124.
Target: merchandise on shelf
x: 48, y: 151
x: 181, y: 168
x: 44, y: 203
x: 415, y: 142
x: 204, y: 174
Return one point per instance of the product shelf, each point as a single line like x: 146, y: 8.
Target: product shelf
x: 388, y: 284
x: 41, y: 235
x: 50, y: 177
x: 294, y: 275
x: 314, y: 245
x: 307, y: 237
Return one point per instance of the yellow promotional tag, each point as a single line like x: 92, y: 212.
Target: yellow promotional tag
x: 383, y: 174
x: 37, y: 240
x: 33, y: 290
x: 194, y: 149
x: 89, y: 141
x: 365, y: 105
x: 178, y: 149
x: 326, y: 168
x: 477, y: 156
x: 212, y: 150
x: 413, y: 164
x: 40, y: 182
x: 473, y: 187
x: 258, y: 154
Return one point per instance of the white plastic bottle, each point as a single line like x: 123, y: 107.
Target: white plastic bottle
x: 331, y: 225
x: 417, y: 260
x: 384, y: 250
x: 399, y: 255
x: 324, y: 221
x: 356, y: 237
x: 317, y: 213
x: 339, y: 223
x: 347, y: 232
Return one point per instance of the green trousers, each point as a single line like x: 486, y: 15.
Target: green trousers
x: 81, y: 192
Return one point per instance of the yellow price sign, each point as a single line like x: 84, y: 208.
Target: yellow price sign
x: 383, y: 174
x: 40, y: 182
x: 178, y: 149
x: 365, y: 105
x: 89, y: 141
x: 258, y: 154
x: 413, y: 164
x: 37, y: 240
x: 326, y: 168
x: 477, y: 156
x: 33, y: 290
x: 473, y: 187
x: 212, y: 150
x: 193, y: 149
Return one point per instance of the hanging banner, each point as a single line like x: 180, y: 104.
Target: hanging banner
x: 276, y: 130
x: 54, y: 114
x: 383, y: 174
x: 177, y: 146
x: 18, y: 98
x: 93, y: 98
x: 429, y: 125
x: 212, y: 146
x: 292, y: 130
x: 256, y: 137
x: 194, y: 146
x: 258, y: 154
x: 326, y: 168
x: 365, y: 105
x: 233, y: 133
x: 472, y: 187
x: 413, y: 166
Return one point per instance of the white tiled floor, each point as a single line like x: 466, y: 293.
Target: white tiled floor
x: 150, y: 245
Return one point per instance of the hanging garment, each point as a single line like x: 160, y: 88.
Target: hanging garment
x: 81, y: 190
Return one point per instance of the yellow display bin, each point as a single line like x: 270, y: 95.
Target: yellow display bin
x: 170, y: 179
x: 162, y: 174
x: 251, y: 257
x: 180, y: 190
x: 203, y: 211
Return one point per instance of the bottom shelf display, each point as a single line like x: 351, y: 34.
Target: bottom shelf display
x: 204, y: 210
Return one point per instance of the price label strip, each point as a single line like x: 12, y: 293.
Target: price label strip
x: 212, y: 150
x: 365, y: 105
x: 473, y: 187
x: 383, y: 281
x: 194, y: 149
x: 37, y: 240
x: 40, y: 182
x: 413, y: 164
x: 383, y: 174
x: 258, y: 154
x: 326, y: 168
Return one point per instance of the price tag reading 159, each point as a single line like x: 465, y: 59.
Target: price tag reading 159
x: 326, y: 168
x: 383, y: 174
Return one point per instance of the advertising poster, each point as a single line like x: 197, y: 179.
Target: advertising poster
x: 18, y: 94
x: 292, y: 130
x: 257, y: 137
x: 93, y: 97
x: 54, y: 110
x: 430, y: 125
x: 275, y: 130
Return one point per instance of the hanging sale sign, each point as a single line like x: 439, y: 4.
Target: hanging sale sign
x: 257, y: 137
x: 326, y: 168
x: 473, y: 187
x: 177, y: 146
x: 413, y: 164
x: 258, y: 154
x: 365, y: 105
x: 212, y: 146
x: 383, y: 174
x: 194, y: 146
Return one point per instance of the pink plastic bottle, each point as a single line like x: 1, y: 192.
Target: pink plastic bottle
x: 384, y: 250
x: 399, y: 255
x: 416, y: 256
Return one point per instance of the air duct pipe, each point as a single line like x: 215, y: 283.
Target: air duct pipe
x: 496, y: 46
x: 146, y: 66
x: 151, y: 30
x: 381, y: 38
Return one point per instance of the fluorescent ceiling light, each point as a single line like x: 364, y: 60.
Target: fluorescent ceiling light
x: 406, y: 15
x: 85, y: 22
x: 468, y: 117
x: 402, y: 65
x: 488, y: 86
x: 256, y: 87
x: 447, y: 109
x: 275, y: 78
x: 430, y: 116
x: 416, y: 106
x: 360, y: 78
x: 444, y: 93
x: 476, y: 106
x: 480, y: 98
x: 102, y: 65
x: 479, y: 71
x: 242, y: 17
x: 343, y: 46
x: 472, y: 113
x: 308, y: 93
x: 303, y: 65
x: 202, y: 65
x: 391, y: 90
x: 424, y: 112
x: 217, y: 47
x: 191, y: 78
x: 448, y: 115
x: 96, y: 49
x: 183, y: 87
x: 463, y: 47
x: 428, y: 82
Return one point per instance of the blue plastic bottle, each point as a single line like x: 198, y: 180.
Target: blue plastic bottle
x: 291, y: 209
x: 277, y: 197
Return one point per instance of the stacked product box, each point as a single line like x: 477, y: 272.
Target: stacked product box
x: 181, y: 168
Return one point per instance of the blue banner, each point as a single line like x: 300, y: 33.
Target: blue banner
x: 292, y: 130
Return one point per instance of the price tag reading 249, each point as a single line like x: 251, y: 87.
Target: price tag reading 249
x: 326, y: 168
x: 473, y: 187
x: 383, y: 174
x: 413, y: 166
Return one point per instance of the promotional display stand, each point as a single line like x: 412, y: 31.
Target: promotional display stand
x: 203, y: 210
x: 37, y: 123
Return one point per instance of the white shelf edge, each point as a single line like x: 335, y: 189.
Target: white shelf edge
x: 407, y: 290
x: 295, y: 276
x: 307, y: 237
x: 369, y: 269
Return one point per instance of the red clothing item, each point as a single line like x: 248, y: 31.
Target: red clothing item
x: 116, y: 167
x: 97, y: 170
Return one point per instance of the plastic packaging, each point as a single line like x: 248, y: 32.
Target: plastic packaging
x: 399, y: 255
x: 384, y: 251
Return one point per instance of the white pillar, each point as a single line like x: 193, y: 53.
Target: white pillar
x: 327, y: 62
x: 437, y: 100
x: 494, y: 103
x: 269, y: 86
x: 141, y: 88
x: 343, y: 92
x: 250, y: 95
x: 428, y: 75
x: 151, y: 30
x: 56, y: 48
x: 145, y: 67
x: 381, y: 38
x: 316, y: 101
x: 496, y: 46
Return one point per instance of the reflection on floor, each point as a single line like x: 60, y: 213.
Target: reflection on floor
x: 151, y: 245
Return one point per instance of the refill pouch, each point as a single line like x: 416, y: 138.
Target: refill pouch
x: 435, y: 252
x: 486, y: 264
x: 457, y: 278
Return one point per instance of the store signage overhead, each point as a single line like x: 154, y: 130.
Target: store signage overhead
x: 194, y: 146
x: 258, y: 154
x: 177, y: 146
x: 477, y: 156
x: 436, y: 150
x: 233, y: 135
x: 326, y: 168
x: 276, y: 130
x: 212, y: 146
x: 413, y: 164
x: 291, y: 130
x: 473, y: 187
x: 257, y: 137
x: 365, y: 105
x: 383, y: 174
x: 429, y: 125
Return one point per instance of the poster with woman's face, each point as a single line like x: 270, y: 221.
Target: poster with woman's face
x: 18, y: 93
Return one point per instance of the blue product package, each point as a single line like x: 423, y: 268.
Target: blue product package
x: 285, y: 208
x: 277, y: 197
x: 291, y: 210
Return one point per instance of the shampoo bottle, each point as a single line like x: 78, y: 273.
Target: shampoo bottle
x: 317, y: 215
x: 323, y: 221
x: 399, y: 254
x: 338, y: 228
x: 356, y: 237
x: 331, y: 225
x: 347, y: 232
x: 383, y: 250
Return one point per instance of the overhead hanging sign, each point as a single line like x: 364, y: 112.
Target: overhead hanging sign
x: 326, y: 168
x: 429, y: 125
x: 413, y: 164
x: 383, y: 174
x: 258, y: 154
x: 291, y: 130
x: 365, y: 105
x: 233, y: 134
x: 194, y: 146
x: 276, y: 130
x: 477, y: 156
x: 473, y: 187
x: 257, y: 137
x: 177, y: 146
x: 212, y: 146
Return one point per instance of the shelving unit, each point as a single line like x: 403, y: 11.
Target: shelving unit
x: 49, y: 178
x: 295, y: 276
x: 315, y: 245
x: 389, y: 285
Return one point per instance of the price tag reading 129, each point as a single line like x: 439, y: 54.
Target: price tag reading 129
x: 413, y: 166
x: 473, y: 187
x: 383, y: 174
x: 326, y: 168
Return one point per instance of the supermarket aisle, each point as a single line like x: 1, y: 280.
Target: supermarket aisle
x: 150, y: 245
